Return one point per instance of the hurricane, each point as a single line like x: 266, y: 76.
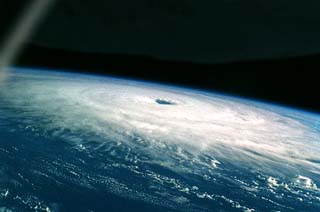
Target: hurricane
x: 172, y: 148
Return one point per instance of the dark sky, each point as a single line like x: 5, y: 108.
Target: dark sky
x: 205, y: 31
x: 265, y: 49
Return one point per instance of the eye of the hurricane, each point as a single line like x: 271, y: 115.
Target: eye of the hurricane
x: 165, y: 102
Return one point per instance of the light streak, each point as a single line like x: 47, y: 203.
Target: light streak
x: 19, y: 34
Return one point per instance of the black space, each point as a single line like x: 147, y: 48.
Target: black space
x: 291, y: 81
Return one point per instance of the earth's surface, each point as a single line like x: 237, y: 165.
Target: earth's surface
x: 72, y: 142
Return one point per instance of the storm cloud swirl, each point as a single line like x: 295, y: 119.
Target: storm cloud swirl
x: 261, y: 149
